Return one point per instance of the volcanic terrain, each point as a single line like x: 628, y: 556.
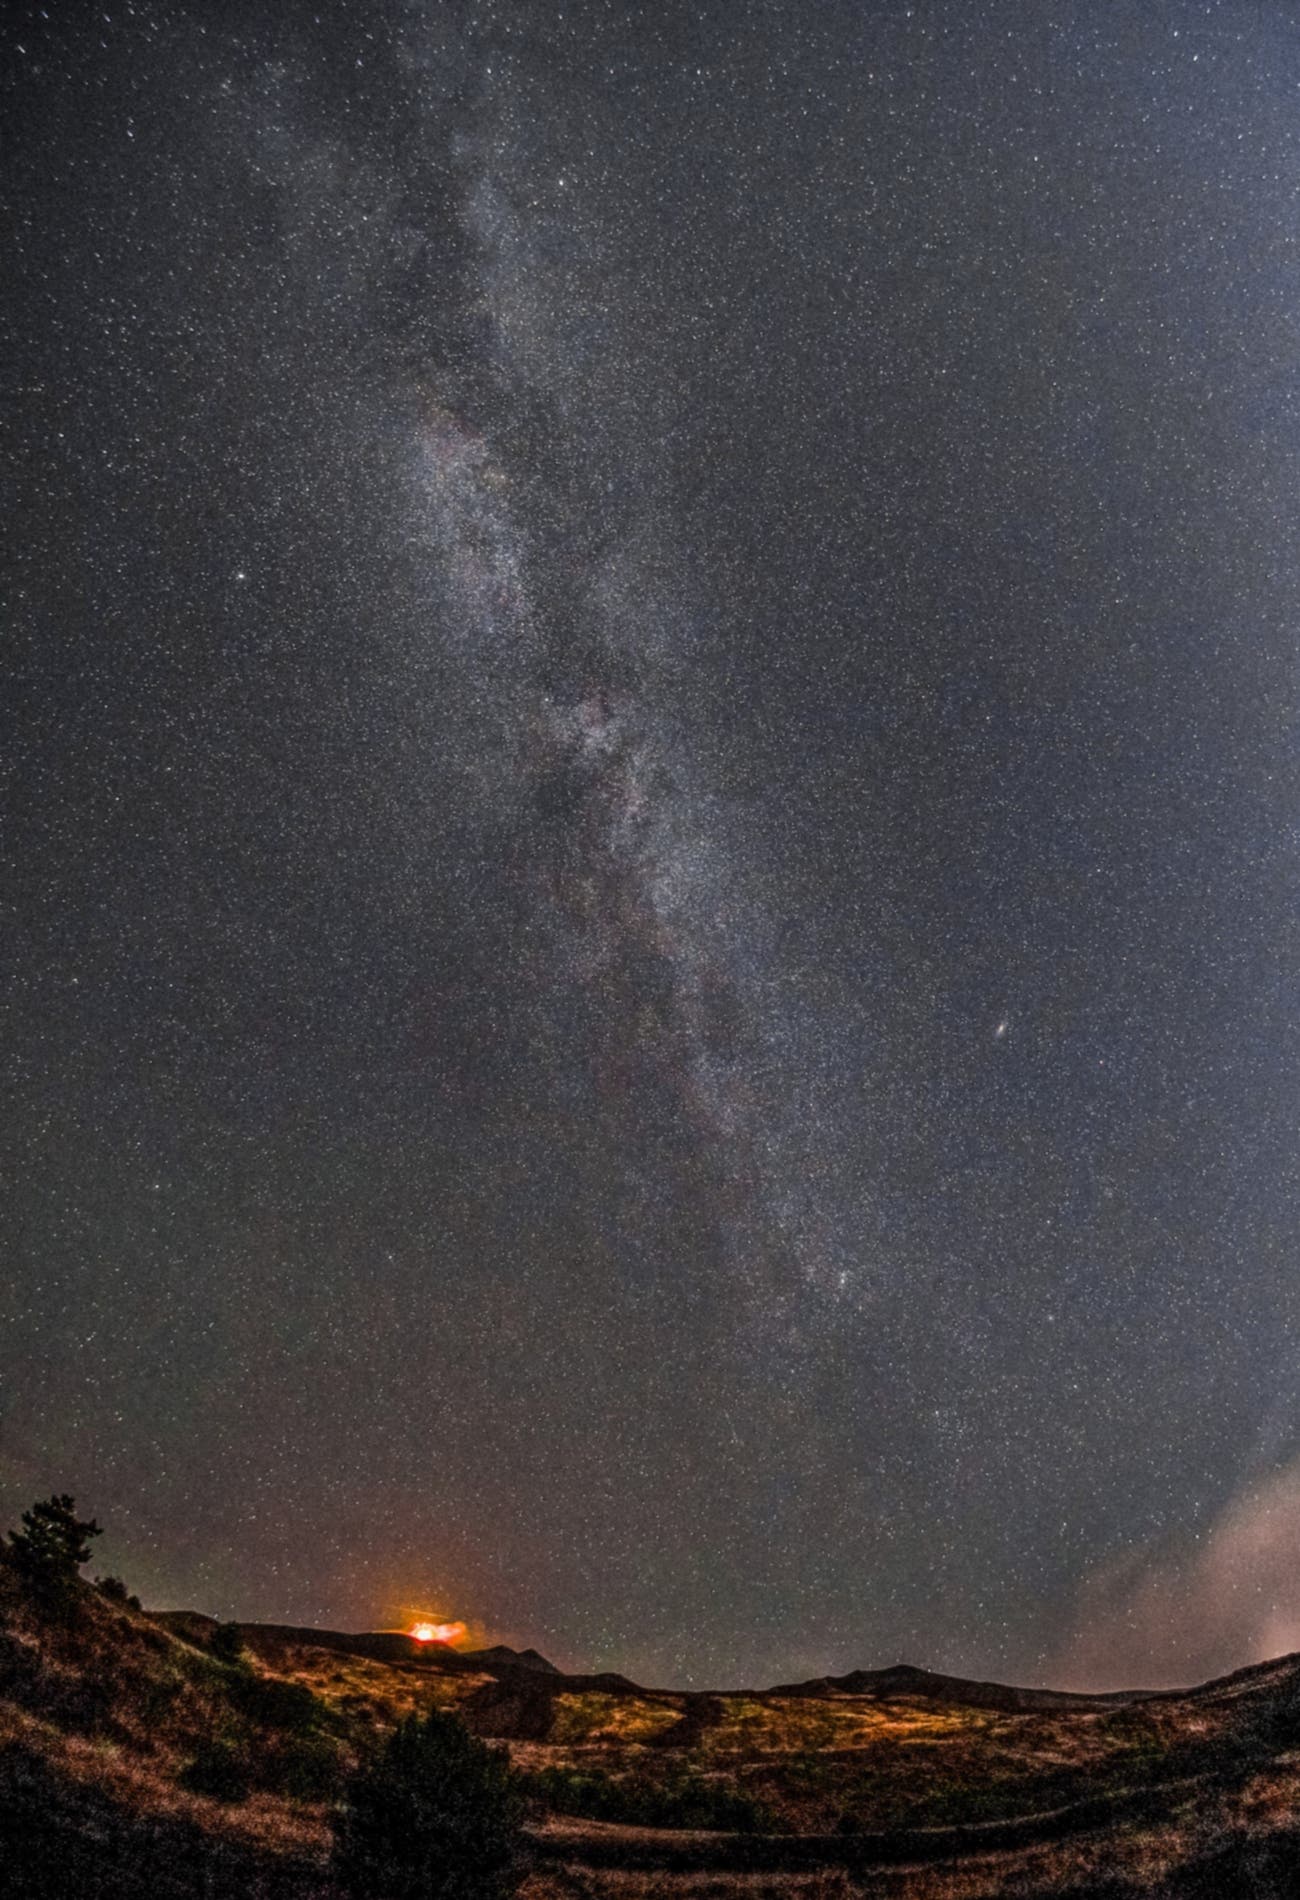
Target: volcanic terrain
x: 117, y: 1727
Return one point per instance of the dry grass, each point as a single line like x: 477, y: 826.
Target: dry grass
x: 376, y: 1693
x: 852, y: 1760
x: 593, y: 1718
x: 145, y: 1782
x: 583, y: 1884
x: 114, y: 1704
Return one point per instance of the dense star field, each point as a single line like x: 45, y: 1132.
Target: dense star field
x: 651, y: 823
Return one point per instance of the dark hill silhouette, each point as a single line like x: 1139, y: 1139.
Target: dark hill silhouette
x: 905, y: 1679
x: 271, y: 1640
x: 105, y: 1712
x: 519, y: 1706
x: 498, y: 1655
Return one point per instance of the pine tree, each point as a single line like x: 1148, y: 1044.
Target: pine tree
x: 53, y: 1543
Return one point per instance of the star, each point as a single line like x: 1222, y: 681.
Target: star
x: 746, y: 570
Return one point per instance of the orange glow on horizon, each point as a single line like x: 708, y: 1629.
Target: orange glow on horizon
x: 436, y: 1632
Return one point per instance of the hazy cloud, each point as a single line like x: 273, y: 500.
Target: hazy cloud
x: 1161, y: 1618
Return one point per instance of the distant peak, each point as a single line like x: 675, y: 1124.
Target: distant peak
x: 501, y: 1656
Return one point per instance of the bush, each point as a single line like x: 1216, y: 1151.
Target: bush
x: 217, y: 1770
x: 116, y: 1591
x: 157, y: 1698
x: 226, y: 1643
x: 271, y: 1702
x: 307, y: 1769
x: 75, y: 1702
x: 687, y: 1800
x: 436, y: 1816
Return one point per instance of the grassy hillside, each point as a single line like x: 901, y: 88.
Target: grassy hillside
x: 134, y: 1759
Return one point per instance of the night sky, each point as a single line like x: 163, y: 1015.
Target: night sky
x: 650, y: 822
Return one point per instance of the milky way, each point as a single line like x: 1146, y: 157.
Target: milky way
x: 644, y: 874
x: 650, y: 822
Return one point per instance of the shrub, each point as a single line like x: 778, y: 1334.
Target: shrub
x: 116, y: 1591
x: 79, y: 1703
x: 435, y: 1816
x: 306, y: 1769
x: 226, y: 1643
x: 157, y: 1698
x: 1139, y: 1739
x: 687, y: 1800
x: 271, y: 1702
x: 217, y: 1770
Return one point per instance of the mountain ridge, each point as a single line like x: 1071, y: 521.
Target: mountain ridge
x: 892, y: 1682
x: 109, y: 1717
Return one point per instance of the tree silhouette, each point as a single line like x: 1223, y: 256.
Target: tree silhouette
x: 52, y: 1544
x: 226, y: 1643
x: 436, y: 1816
